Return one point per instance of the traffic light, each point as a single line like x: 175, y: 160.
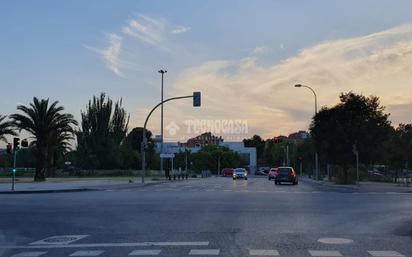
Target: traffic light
x: 196, y: 99
x: 9, y: 148
x: 14, y: 170
x: 16, y: 143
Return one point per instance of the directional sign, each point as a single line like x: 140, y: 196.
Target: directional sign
x: 167, y: 155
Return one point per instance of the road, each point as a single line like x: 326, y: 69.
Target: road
x: 208, y: 217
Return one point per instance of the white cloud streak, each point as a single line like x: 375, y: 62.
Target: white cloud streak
x: 180, y: 29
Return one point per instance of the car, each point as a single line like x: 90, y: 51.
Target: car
x: 240, y: 173
x: 272, y: 173
x: 227, y: 172
x: 286, y: 174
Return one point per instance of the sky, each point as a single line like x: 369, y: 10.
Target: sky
x: 244, y: 56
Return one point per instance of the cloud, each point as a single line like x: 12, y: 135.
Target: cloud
x: 260, y: 50
x: 180, y: 29
x: 111, y: 54
x: 378, y: 64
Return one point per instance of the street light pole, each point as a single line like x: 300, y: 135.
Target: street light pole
x: 316, y: 112
x: 161, y: 121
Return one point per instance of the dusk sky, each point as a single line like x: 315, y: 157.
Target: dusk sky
x: 244, y: 56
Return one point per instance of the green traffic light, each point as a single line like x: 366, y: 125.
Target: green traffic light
x: 14, y: 170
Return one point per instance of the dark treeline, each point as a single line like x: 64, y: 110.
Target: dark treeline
x: 105, y: 142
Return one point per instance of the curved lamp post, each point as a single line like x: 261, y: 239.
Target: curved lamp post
x: 316, y: 112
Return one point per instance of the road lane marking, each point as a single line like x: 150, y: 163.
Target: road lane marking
x: 59, y: 240
x: 145, y: 252
x: 385, y: 254
x: 261, y: 252
x: 324, y: 253
x: 97, y: 245
x: 87, y: 253
x: 204, y: 252
x: 29, y: 254
x: 335, y: 240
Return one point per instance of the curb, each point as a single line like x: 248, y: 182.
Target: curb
x: 48, y: 191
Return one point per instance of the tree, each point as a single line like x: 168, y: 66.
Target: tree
x: 6, y: 128
x: 398, y: 148
x: 356, y: 120
x: 214, y: 157
x: 131, y: 149
x: 103, y: 128
x: 50, y: 128
x: 257, y: 142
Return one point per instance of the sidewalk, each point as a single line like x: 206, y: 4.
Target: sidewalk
x: 72, y: 186
x: 364, y: 186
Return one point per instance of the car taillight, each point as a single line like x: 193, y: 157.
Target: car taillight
x: 293, y: 174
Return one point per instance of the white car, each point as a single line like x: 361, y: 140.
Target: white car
x: 240, y: 173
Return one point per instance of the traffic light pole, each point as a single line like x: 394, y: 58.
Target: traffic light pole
x: 144, y: 139
x: 14, y: 170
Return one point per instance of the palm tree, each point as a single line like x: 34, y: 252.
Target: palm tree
x: 51, y: 131
x: 6, y: 128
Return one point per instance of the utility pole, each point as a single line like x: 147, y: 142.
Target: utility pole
x: 161, y: 121
x: 356, y: 153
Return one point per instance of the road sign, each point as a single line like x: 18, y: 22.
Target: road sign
x: 167, y: 155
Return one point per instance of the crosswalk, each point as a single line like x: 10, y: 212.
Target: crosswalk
x: 80, y: 245
x: 210, y: 252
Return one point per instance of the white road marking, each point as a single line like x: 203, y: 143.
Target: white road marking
x: 204, y: 252
x: 87, y: 253
x: 385, y: 254
x: 29, y: 254
x: 260, y: 252
x: 98, y: 245
x: 145, y: 252
x: 333, y: 240
x: 59, y: 240
x: 324, y: 253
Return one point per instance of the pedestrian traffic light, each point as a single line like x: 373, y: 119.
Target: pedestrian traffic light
x: 24, y: 143
x: 9, y: 148
x: 16, y: 143
x: 196, y: 99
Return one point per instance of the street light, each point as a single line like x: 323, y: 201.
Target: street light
x: 316, y: 112
x: 161, y: 120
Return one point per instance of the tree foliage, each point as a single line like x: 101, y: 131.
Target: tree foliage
x: 51, y: 132
x: 103, y: 128
x: 6, y: 128
x: 356, y: 120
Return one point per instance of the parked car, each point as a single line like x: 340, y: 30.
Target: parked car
x: 240, y: 173
x: 286, y: 174
x: 272, y: 173
x: 227, y: 172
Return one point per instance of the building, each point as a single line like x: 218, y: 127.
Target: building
x: 204, y: 139
x: 298, y: 136
x: 196, y: 143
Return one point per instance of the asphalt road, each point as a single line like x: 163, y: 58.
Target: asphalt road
x: 208, y: 217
